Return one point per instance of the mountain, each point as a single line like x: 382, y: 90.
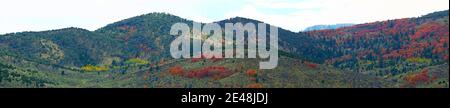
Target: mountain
x: 325, y: 27
x: 288, y: 42
x: 145, y: 36
x: 69, y: 46
x: 134, y: 52
x: 388, y: 42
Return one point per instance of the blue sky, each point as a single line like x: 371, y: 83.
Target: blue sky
x: 294, y: 15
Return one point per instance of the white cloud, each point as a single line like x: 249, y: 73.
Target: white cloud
x: 38, y: 15
x: 273, y: 19
x: 314, y: 12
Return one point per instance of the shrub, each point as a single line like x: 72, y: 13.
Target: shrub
x: 421, y: 77
x: 215, y: 72
x: 136, y: 61
x: 91, y: 68
x: 254, y: 85
x: 176, y: 70
x: 251, y: 73
x: 418, y: 60
x: 311, y: 65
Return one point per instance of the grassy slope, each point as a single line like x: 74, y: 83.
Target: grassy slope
x: 289, y: 73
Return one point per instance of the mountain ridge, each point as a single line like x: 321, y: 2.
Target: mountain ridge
x: 325, y: 27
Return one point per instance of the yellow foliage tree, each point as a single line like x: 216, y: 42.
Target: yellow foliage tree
x: 136, y: 61
x: 94, y: 68
x: 418, y: 60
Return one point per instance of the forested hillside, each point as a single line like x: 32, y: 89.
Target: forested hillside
x: 134, y: 52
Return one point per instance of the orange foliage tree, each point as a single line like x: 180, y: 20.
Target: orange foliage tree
x: 255, y: 85
x: 422, y: 77
x: 251, y: 73
x: 176, y: 70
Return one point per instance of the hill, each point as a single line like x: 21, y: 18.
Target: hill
x: 410, y: 52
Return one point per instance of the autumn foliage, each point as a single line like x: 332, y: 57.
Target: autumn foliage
x: 422, y: 77
x: 255, y: 85
x: 385, y: 43
x: 251, y: 73
x: 130, y: 30
x: 94, y: 68
x: 311, y: 65
x: 176, y: 70
x: 214, y: 72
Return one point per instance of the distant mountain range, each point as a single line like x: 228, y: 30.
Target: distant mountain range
x: 410, y: 52
x: 326, y: 27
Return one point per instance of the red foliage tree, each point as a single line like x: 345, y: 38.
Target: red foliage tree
x: 311, y: 65
x: 422, y: 77
x: 215, y: 72
x: 254, y: 85
x: 251, y: 73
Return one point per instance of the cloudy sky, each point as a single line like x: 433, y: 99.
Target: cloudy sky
x: 294, y: 15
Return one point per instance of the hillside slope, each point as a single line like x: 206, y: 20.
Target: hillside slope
x: 410, y: 52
